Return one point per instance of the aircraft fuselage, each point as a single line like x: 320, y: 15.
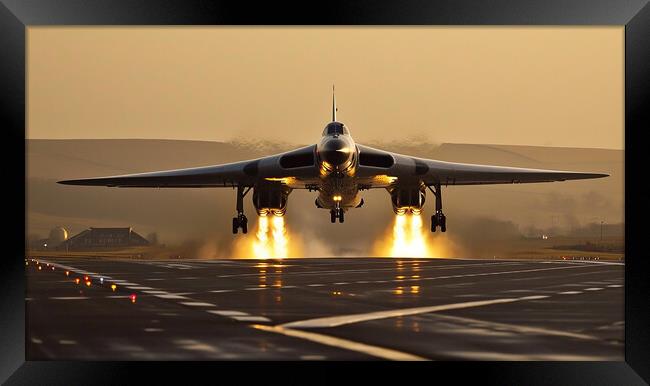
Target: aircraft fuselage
x: 338, y: 158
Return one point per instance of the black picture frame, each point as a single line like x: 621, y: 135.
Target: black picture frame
x: 17, y: 15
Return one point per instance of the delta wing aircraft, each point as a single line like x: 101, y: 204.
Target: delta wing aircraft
x: 338, y: 169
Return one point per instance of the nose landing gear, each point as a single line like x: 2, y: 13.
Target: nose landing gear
x: 337, y: 214
x: 240, y: 221
x: 438, y: 219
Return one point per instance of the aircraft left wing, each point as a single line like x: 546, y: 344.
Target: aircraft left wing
x: 296, y: 168
x: 379, y: 168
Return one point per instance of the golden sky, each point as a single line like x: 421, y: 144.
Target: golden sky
x: 498, y: 85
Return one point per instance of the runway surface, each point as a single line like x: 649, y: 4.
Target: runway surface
x: 324, y: 309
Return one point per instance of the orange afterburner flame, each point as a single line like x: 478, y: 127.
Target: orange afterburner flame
x: 409, y: 237
x: 271, y: 238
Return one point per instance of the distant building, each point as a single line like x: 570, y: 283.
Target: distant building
x: 100, y: 238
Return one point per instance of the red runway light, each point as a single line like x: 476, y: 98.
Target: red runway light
x: 132, y: 297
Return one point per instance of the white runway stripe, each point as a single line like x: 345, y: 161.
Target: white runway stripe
x: 171, y: 296
x: 227, y: 312
x: 251, y: 318
x: 70, y: 298
x: 512, y: 327
x: 534, y: 297
x: 335, y: 321
x: 198, y: 304
x: 375, y: 351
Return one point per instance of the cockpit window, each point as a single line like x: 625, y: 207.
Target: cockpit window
x: 336, y: 128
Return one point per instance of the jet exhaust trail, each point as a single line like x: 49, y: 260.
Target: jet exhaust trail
x: 271, y: 238
x: 409, y: 238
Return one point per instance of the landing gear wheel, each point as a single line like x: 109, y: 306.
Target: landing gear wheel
x: 244, y: 225
x: 333, y: 216
x: 438, y: 219
x: 239, y: 222
x: 341, y: 216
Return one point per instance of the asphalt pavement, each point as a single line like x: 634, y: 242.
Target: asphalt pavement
x: 323, y: 309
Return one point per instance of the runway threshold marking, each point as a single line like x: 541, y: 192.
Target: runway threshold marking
x: 376, y: 351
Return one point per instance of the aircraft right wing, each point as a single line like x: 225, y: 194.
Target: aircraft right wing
x: 379, y: 168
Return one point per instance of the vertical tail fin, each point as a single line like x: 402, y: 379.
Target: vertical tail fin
x: 334, y: 109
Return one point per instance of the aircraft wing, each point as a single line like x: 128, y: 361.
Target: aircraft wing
x: 379, y: 168
x: 296, y: 168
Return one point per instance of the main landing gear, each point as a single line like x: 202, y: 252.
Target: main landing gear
x: 240, y: 221
x: 438, y: 219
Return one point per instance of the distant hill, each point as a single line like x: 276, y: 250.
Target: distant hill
x: 180, y: 214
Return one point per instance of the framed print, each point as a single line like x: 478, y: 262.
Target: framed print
x: 446, y: 183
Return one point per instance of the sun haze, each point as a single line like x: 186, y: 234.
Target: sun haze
x: 548, y: 86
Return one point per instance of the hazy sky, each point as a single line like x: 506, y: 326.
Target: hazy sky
x: 506, y: 85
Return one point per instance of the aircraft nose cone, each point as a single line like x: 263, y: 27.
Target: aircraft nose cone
x: 335, y: 152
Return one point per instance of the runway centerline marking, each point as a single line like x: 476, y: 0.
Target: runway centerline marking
x: 376, y: 351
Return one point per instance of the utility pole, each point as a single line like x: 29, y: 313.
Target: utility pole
x: 601, y: 230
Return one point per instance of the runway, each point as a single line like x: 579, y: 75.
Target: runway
x: 323, y: 309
